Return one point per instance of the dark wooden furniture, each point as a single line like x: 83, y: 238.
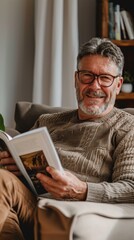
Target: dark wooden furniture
x: 127, y: 46
x: 125, y: 100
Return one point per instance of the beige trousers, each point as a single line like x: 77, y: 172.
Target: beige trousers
x: 17, y: 206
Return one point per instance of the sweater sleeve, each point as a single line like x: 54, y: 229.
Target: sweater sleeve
x: 121, y: 189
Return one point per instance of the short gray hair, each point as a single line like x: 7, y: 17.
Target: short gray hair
x: 103, y: 47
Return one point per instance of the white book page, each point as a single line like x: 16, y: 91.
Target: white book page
x: 33, y: 152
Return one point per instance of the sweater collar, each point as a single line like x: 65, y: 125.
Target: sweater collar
x: 109, y: 115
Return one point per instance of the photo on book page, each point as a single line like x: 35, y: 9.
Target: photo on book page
x: 35, y: 162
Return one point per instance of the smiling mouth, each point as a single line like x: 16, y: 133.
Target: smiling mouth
x: 95, y: 95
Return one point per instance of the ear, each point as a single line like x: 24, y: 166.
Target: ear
x: 119, y: 84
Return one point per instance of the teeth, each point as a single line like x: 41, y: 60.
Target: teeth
x: 93, y: 96
x: 90, y: 95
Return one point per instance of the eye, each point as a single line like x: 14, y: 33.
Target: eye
x: 106, y: 78
x: 85, y: 76
x: 88, y: 75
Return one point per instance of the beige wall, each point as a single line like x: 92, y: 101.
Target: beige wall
x: 17, y: 49
x: 16, y: 54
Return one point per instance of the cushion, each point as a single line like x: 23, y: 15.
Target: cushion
x: 58, y: 220
x: 26, y: 113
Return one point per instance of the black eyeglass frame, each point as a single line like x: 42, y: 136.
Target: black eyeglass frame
x: 96, y: 76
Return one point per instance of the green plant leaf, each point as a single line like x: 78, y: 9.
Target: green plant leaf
x: 128, y: 77
x: 2, y: 126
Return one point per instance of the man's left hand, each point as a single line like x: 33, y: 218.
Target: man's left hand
x: 63, y: 185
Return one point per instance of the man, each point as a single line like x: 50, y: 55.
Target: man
x: 94, y: 142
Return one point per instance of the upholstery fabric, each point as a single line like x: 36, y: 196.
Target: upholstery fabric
x: 58, y: 220
x: 26, y: 113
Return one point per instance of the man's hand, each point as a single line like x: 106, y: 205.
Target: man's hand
x: 7, y: 162
x: 63, y: 185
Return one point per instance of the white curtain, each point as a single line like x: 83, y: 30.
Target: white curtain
x: 56, y: 48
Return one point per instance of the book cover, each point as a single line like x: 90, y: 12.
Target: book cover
x: 117, y: 22
x: 123, y: 30
x: 111, y: 21
x: 32, y: 151
x: 128, y: 22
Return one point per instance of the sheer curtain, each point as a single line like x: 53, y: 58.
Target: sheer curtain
x: 38, y: 48
x: 56, y: 48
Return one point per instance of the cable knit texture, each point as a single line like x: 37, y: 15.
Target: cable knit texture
x: 100, y: 152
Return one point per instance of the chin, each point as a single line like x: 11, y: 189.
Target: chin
x: 93, y: 110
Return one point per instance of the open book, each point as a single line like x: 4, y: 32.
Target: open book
x: 32, y: 151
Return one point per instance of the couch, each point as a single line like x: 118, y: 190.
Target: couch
x: 64, y: 220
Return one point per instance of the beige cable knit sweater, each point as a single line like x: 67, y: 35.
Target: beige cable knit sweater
x: 100, y: 152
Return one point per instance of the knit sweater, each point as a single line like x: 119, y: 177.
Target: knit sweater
x: 98, y: 151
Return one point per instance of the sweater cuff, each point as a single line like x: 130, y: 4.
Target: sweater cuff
x: 95, y: 192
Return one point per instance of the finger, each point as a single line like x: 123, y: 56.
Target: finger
x: 57, y: 189
x: 53, y: 190
x: 48, y: 182
x: 6, y: 161
x: 12, y: 168
x: 4, y: 154
x: 56, y: 174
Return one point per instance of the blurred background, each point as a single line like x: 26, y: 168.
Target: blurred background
x: 39, y: 42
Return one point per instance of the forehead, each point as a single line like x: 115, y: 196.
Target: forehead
x: 98, y: 64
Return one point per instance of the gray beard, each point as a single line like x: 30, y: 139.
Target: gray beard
x: 93, y: 111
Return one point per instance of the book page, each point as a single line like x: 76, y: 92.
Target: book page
x: 33, y: 151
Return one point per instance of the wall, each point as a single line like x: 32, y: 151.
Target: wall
x: 16, y: 54
x: 17, y: 39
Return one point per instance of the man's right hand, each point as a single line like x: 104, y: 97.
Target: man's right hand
x: 8, y: 163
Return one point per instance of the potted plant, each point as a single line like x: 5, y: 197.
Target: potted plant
x: 127, y: 85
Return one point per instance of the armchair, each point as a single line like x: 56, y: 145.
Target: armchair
x: 64, y: 220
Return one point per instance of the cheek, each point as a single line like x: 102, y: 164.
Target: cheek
x: 79, y: 89
x: 111, y: 93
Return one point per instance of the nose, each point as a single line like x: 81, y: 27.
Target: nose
x: 95, y: 82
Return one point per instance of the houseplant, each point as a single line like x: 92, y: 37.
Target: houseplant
x: 127, y: 85
x: 2, y: 126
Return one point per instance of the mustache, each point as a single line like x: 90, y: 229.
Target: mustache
x: 91, y: 93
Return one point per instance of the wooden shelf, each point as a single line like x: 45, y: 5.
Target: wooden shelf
x: 124, y: 43
x: 125, y: 100
x: 124, y: 96
x: 127, y: 46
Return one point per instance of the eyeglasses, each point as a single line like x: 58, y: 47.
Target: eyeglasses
x: 104, y: 80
